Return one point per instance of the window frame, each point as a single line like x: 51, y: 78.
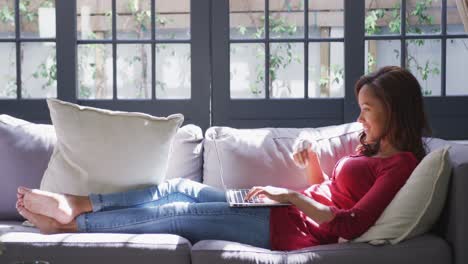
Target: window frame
x: 195, y: 109
x: 27, y: 108
x: 284, y: 112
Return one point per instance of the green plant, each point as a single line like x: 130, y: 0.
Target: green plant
x: 142, y: 19
x: 7, y: 16
x: 371, y: 19
x: 280, y: 58
x: 420, y: 12
x: 95, y: 68
x: 26, y: 11
x: 282, y: 55
x: 47, y: 3
x: 47, y: 70
x: 329, y: 76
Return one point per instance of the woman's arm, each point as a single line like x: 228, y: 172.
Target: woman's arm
x: 315, y: 174
x: 314, y: 210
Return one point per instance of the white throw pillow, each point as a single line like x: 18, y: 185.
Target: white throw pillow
x: 418, y: 204
x: 103, y: 151
x: 250, y: 157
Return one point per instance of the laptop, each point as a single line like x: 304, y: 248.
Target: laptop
x: 236, y: 197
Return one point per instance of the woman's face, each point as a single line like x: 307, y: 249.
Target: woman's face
x: 373, y: 114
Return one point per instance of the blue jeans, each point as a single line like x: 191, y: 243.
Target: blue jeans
x: 182, y: 207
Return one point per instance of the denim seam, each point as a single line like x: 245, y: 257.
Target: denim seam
x: 187, y: 195
x: 260, y: 219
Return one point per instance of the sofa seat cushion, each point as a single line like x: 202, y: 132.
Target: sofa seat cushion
x: 26, y: 244
x: 424, y: 249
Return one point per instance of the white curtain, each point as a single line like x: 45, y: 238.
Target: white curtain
x: 462, y: 6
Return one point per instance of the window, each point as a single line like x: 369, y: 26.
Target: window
x: 303, y: 61
x: 27, y: 42
x: 133, y: 49
x: 129, y: 55
x: 284, y: 56
x: 430, y: 42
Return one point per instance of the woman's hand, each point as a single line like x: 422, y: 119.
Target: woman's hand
x: 301, y: 149
x: 305, y: 156
x: 273, y: 193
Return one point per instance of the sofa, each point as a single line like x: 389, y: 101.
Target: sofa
x: 245, y: 157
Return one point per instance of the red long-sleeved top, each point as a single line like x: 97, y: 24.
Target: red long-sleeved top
x: 357, y: 193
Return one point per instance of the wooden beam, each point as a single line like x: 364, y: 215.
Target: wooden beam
x: 372, y: 50
x: 325, y: 62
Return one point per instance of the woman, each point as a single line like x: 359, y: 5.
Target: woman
x: 345, y: 205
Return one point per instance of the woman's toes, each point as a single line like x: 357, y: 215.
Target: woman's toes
x: 45, y: 224
x: 25, y: 213
x: 23, y: 190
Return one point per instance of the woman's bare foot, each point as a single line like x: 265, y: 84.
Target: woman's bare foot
x: 61, y: 207
x: 46, y: 224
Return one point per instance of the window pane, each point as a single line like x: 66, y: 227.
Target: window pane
x: 37, y: 18
x: 247, y: 70
x: 38, y: 70
x: 247, y: 19
x: 134, y: 71
x: 286, y: 18
x: 95, y: 71
x: 94, y: 19
x: 8, y: 70
x: 326, y: 18
x: 383, y: 17
x: 326, y: 69
x: 173, y: 19
x: 423, y: 16
x: 134, y: 19
x: 286, y: 70
x: 423, y: 61
x: 454, y: 21
x: 7, y: 19
x: 457, y: 63
x: 173, y: 75
x: 380, y: 53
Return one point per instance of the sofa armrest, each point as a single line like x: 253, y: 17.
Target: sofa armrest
x: 453, y: 223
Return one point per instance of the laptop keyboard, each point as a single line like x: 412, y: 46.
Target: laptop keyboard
x: 238, y: 196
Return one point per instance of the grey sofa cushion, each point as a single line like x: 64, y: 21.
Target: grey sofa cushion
x: 423, y: 249
x: 25, y: 150
x: 187, y: 154
x: 25, y: 244
x: 453, y: 221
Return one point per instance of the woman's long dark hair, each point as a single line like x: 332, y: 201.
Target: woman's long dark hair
x: 407, y: 123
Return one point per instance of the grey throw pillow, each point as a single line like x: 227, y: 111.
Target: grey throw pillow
x: 25, y: 150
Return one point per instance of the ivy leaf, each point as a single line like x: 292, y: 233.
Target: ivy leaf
x: 242, y: 30
x: 6, y: 16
